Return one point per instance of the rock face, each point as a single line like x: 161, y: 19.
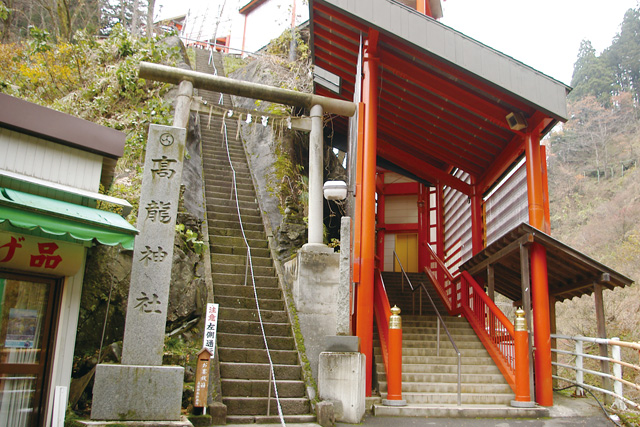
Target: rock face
x: 260, y: 140
x: 109, y: 271
x: 264, y: 146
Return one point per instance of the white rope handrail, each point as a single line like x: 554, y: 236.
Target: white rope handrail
x: 250, y: 267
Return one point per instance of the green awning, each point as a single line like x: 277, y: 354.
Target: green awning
x: 58, y: 218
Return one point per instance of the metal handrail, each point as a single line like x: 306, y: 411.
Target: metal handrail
x: 439, y: 321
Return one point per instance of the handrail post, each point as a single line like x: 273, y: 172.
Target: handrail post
x: 617, y: 372
x: 579, y: 372
x: 521, y: 343
x: 459, y: 379
x: 394, y: 378
x: 438, y: 338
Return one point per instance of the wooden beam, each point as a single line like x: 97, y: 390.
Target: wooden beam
x: 513, y: 246
x: 602, y: 333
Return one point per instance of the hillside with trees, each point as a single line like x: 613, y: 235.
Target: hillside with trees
x: 594, y: 175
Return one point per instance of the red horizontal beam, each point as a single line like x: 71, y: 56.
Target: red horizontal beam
x: 421, y: 169
x: 401, y: 188
x: 413, y: 135
x: 336, y: 52
x: 347, y: 45
x: 511, y: 153
x: 457, y: 142
x: 452, y: 112
x: 460, y: 121
x: 345, y: 70
x: 445, y: 89
x: 502, y: 162
x: 395, y: 228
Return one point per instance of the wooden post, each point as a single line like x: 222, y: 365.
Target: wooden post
x: 491, y: 283
x: 202, y: 379
x: 602, y: 333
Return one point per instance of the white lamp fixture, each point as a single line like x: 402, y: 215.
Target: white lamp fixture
x: 335, y: 190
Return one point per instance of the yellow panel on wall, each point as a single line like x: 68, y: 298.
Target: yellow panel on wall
x: 407, y: 250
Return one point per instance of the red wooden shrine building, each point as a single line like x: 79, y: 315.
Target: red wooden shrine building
x: 447, y: 159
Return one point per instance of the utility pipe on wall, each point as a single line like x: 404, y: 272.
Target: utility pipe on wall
x: 174, y: 75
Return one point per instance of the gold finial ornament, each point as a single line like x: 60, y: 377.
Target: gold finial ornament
x: 520, y: 323
x: 395, y: 321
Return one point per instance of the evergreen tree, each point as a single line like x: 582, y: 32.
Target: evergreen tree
x: 623, y: 56
x: 592, y: 75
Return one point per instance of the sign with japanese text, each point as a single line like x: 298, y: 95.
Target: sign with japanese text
x: 153, y: 250
x: 202, y: 378
x: 39, y: 254
x: 210, y: 328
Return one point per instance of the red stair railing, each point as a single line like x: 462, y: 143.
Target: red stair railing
x: 382, y: 311
x: 445, y: 284
x: 462, y: 295
x: 491, y: 325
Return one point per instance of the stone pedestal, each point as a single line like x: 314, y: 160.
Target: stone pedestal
x: 141, y: 389
x: 341, y: 378
x: 315, y: 295
x: 137, y: 393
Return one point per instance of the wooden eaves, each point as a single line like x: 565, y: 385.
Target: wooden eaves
x: 571, y: 273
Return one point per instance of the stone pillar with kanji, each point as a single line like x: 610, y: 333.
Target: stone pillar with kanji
x: 141, y: 389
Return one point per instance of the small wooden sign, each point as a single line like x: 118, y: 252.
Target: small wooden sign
x: 202, y: 378
x: 210, y: 327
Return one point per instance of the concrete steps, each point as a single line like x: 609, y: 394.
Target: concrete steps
x: 429, y: 380
x: 244, y: 361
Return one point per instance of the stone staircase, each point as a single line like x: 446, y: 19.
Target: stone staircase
x: 244, y: 364
x: 429, y: 381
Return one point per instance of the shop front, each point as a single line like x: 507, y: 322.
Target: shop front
x: 50, y: 172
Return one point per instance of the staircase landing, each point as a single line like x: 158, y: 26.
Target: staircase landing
x: 429, y: 379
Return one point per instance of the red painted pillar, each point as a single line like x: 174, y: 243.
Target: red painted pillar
x: 381, y: 221
x: 545, y: 189
x: 423, y: 226
x: 477, y: 238
x: 364, y: 323
x: 539, y: 280
x: 394, y: 370
x: 440, y: 221
x: 522, y: 358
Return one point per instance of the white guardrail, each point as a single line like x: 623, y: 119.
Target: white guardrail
x: 620, y: 401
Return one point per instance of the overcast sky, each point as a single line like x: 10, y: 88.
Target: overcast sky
x: 544, y: 34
